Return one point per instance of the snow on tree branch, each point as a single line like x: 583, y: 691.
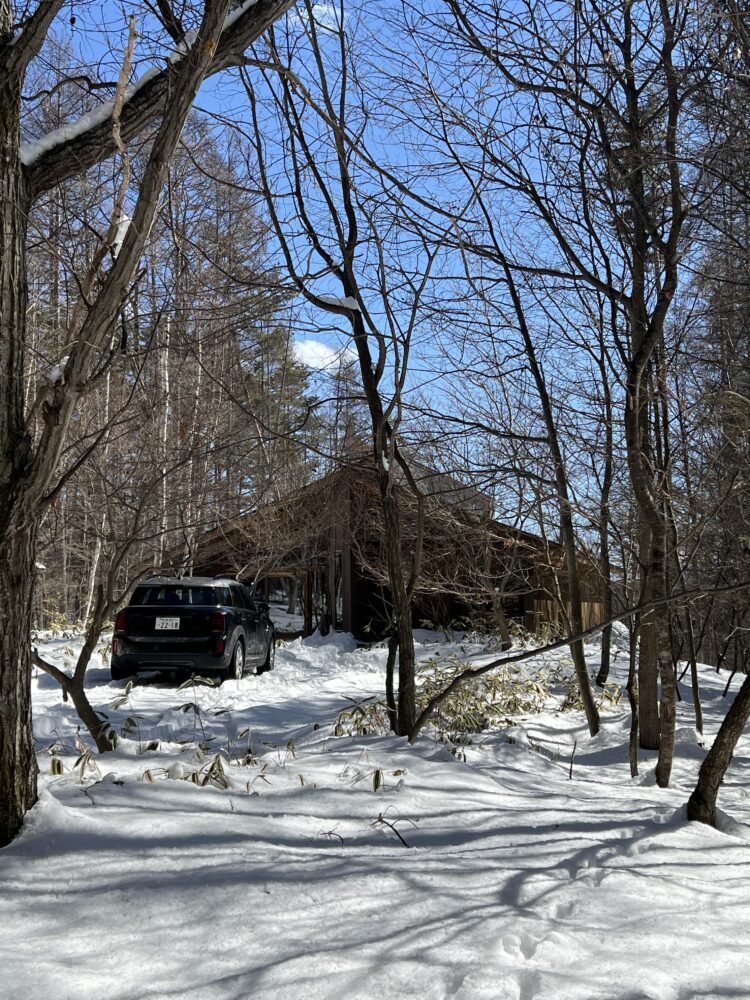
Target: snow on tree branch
x: 64, y: 152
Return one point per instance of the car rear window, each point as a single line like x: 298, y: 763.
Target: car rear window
x: 175, y: 595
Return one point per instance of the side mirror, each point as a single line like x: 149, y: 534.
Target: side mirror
x: 264, y: 606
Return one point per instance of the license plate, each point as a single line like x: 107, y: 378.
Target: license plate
x: 168, y: 623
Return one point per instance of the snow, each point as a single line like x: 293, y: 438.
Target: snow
x: 56, y: 374
x: 346, y: 302
x: 31, y: 151
x: 535, y: 867
x: 184, y: 46
x: 122, y: 230
x: 237, y: 13
x: 284, y: 620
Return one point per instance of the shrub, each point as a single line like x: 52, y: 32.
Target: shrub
x: 489, y: 700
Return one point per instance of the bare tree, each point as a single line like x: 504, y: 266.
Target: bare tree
x: 344, y: 250
x: 584, y: 127
x: 28, y: 460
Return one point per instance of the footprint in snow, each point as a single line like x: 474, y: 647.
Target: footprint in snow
x: 523, y: 944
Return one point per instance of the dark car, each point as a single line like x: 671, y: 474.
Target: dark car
x: 192, y: 625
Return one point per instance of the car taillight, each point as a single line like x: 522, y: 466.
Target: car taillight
x: 120, y: 622
x: 218, y: 619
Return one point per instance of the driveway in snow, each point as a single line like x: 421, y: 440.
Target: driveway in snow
x: 515, y: 880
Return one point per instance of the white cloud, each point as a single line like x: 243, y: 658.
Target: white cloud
x: 321, y: 357
x: 329, y: 15
x: 325, y: 15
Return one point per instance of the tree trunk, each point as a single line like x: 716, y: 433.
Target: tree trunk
x: 74, y: 687
x: 702, y: 803
x: 694, y: 681
x: 390, y: 699
x: 18, y: 531
x: 668, y: 703
x: 407, y: 694
x: 93, y: 570
x: 383, y: 441
x: 656, y: 664
x: 657, y: 622
x: 605, y: 563
x: 98, y: 728
x: 632, y: 689
x: 407, y: 700
x: 17, y: 761
x: 165, y: 401
x: 501, y: 621
x: 606, y: 654
x: 567, y: 530
x: 567, y: 535
x: 292, y: 590
x: 648, y: 675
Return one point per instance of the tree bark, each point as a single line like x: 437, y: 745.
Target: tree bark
x: 648, y: 676
x: 18, y: 530
x: 605, y: 563
x: 407, y: 701
x: 702, y: 803
x: 668, y: 702
x: 501, y: 621
x: 694, y: 680
x: 390, y: 699
x: 632, y: 689
x: 18, y: 790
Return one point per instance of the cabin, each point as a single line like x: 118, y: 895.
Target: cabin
x: 325, y: 540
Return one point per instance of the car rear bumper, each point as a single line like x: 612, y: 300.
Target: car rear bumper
x: 186, y: 661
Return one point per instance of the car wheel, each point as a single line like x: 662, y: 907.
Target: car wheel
x: 270, y: 656
x: 237, y: 666
x: 120, y: 673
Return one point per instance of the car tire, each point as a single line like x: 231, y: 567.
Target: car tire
x: 236, y: 668
x: 118, y: 673
x: 270, y: 656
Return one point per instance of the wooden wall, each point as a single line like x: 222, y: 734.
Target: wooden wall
x: 541, y: 611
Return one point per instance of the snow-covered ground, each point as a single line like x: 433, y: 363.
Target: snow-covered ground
x: 284, y: 621
x: 516, y: 880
